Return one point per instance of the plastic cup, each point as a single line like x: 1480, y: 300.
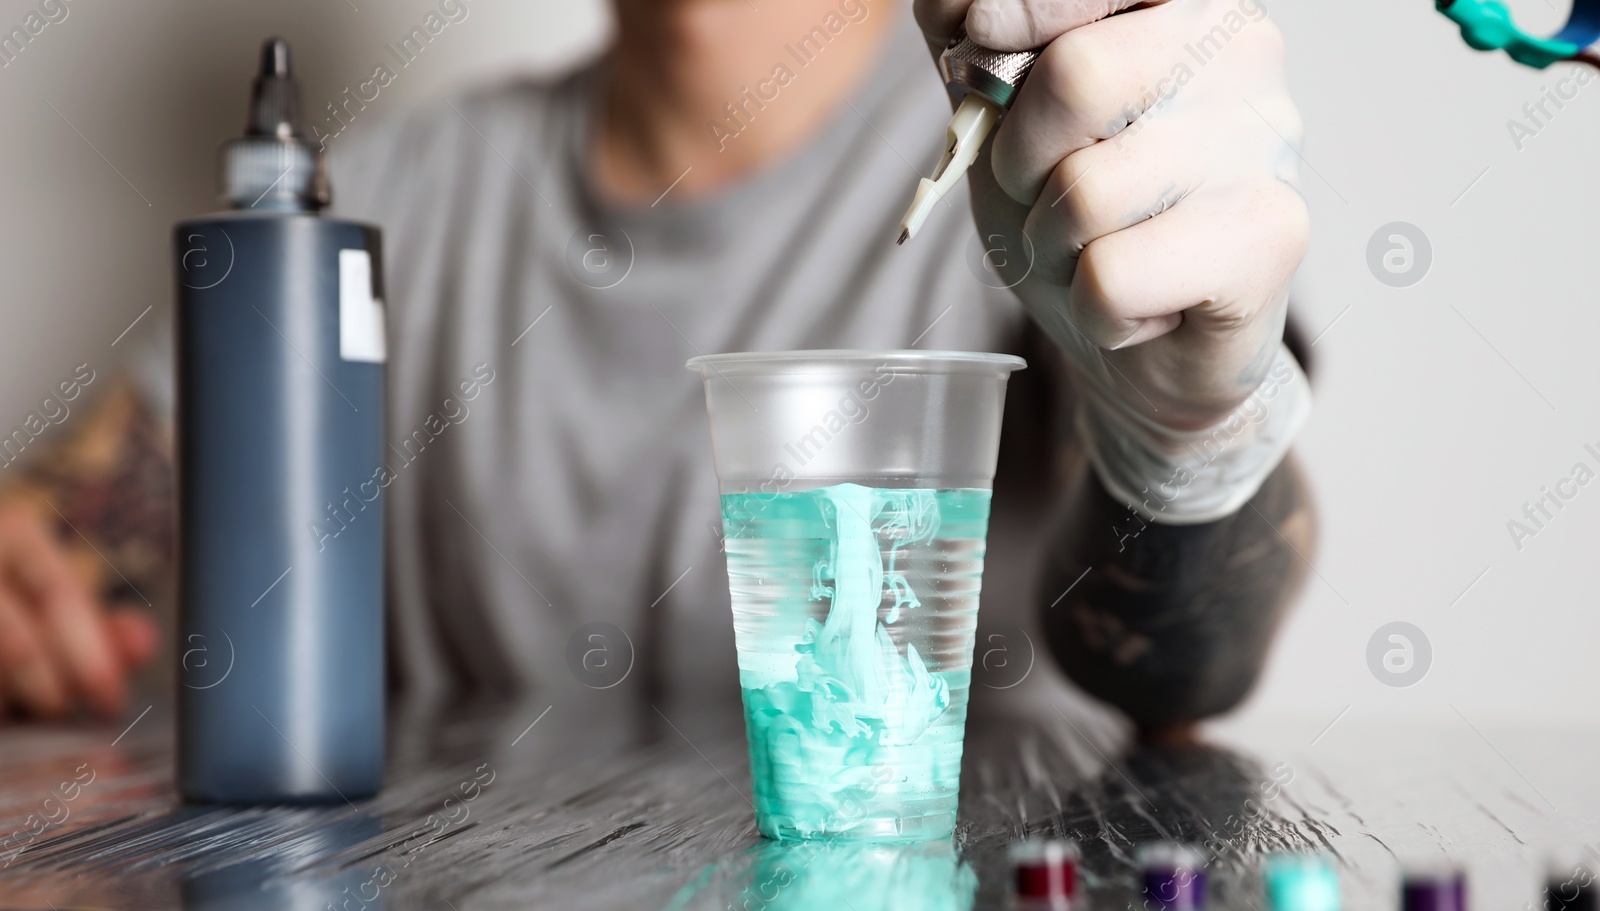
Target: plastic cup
x: 855, y: 505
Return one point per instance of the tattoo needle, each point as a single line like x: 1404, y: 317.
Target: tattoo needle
x: 989, y: 80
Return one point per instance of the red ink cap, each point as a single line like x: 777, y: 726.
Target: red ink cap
x: 1044, y: 872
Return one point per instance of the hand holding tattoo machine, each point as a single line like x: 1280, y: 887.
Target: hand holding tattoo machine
x: 987, y: 81
x: 1164, y: 475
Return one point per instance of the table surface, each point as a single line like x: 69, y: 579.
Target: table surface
x: 583, y: 806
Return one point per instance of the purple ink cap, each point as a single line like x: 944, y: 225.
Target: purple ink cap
x: 1434, y: 890
x: 1174, y: 877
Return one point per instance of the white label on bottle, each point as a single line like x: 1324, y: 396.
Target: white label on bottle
x: 360, y: 314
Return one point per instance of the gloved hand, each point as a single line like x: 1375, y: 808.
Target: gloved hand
x: 1143, y: 186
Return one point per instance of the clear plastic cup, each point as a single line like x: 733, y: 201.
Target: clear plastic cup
x: 855, y: 506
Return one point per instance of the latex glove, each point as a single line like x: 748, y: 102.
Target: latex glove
x: 59, y: 646
x: 1143, y: 187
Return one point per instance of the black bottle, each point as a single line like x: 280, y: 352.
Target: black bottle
x: 280, y: 350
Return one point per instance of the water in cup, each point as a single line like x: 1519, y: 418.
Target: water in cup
x: 855, y: 580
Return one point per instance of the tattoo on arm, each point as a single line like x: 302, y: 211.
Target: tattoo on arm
x: 113, y: 480
x: 1172, y: 623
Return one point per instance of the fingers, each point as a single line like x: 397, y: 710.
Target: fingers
x: 1149, y: 160
x: 1186, y: 307
x: 68, y: 618
x: 1012, y: 25
x: 940, y: 20
x: 1147, y: 170
x: 1107, y: 187
x: 1021, y: 25
x: 1111, y: 77
x: 1215, y: 263
x: 28, y: 677
x: 134, y: 634
x: 1087, y: 86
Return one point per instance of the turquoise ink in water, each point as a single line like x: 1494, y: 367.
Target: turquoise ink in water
x: 831, y: 875
x: 855, y: 610
x: 835, y: 875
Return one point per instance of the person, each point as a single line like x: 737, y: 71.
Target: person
x: 730, y: 176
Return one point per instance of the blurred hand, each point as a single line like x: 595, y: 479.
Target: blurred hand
x: 1147, y: 162
x: 60, y: 648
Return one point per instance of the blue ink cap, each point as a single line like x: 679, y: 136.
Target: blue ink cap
x: 1301, y: 882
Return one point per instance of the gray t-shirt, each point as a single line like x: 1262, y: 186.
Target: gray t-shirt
x: 552, y: 454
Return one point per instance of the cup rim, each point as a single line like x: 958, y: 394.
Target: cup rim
x: 851, y: 360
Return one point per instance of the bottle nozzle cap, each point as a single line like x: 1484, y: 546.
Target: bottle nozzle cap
x: 274, y: 97
x: 275, y: 58
x: 272, y: 166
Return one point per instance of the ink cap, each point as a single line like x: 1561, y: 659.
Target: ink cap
x: 1570, y: 883
x: 1434, y: 887
x: 1174, y: 876
x: 273, y: 167
x: 1301, y: 882
x: 1044, y: 874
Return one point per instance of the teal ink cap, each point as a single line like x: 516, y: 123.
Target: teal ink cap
x: 273, y: 166
x: 1301, y: 882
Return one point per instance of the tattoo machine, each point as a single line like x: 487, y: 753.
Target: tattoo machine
x: 1487, y: 26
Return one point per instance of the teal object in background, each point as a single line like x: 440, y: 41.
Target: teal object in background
x: 1487, y: 26
x: 1301, y: 882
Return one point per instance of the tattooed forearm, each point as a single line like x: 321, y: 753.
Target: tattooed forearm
x: 107, y: 487
x: 1171, y: 623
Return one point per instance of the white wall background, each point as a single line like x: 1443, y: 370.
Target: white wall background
x: 1443, y: 406
x: 153, y: 86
